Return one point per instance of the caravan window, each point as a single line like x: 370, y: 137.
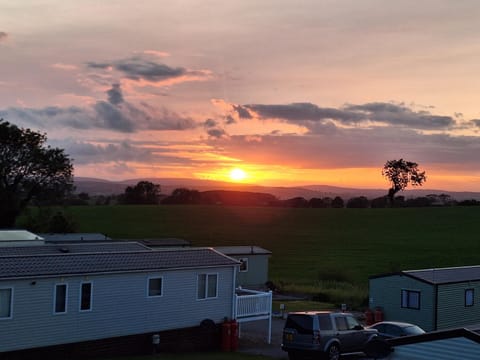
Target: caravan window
x: 411, y: 299
x: 6, y: 296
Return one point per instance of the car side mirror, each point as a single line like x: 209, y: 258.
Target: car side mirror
x: 358, y: 327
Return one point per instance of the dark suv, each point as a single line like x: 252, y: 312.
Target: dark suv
x: 326, y: 333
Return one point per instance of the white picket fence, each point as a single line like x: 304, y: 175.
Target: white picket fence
x: 252, y: 305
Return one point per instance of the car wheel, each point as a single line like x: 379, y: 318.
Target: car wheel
x: 333, y: 352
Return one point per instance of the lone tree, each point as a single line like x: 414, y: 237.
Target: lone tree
x: 29, y: 169
x: 400, y: 173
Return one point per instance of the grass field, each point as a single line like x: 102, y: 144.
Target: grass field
x: 334, y: 248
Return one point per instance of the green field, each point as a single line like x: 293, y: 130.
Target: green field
x: 309, y: 246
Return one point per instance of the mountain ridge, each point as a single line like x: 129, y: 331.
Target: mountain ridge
x: 97, y: 186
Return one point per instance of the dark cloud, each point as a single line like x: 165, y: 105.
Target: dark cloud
x: 112, y: 117
x: 476, y: 122
x: 84, y: 152
x: 161, y: 118
x: 153, y: 118
x: 311, y: 115
x: 242, y: 111
x: 3, y: 36
x: 142, y: 68
x: 116, y: 114
x: 97, y: 65
x: 115, y: 95
x: 74, y: 117
x: 137, y: 68
x: 229, y: 120
x: 217, y: 133
x: 304, y: 111
x: 401, y: 115
x: 209, y: 123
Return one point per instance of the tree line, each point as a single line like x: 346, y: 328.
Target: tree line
x: 148, y: 193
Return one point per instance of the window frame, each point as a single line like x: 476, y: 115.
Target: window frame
x: 341, y: 323
x: 408, y: 304
x: 57, y: 285
x: 10, y: 307
x: 80, y: 300
x: 243, y: 265
x: 472, y: 299
x: 150, y: 278
x: 205, y: 291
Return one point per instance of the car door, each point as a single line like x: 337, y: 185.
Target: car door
x: 350, y: 333
x: 381, y: 331
x: 393, y: 330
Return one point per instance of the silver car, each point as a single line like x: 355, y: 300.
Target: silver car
x: 392, y: 329
x: 324, y: 333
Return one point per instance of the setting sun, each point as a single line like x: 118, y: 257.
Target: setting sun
x: 237, y: 174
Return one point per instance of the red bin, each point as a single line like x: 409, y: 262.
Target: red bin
x: 368, y: 317
x: 378, y: 315
x: 233, y: 335
x: 226, y: 344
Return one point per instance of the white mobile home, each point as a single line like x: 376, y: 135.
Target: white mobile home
x: 68, y: 294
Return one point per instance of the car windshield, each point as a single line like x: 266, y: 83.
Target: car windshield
x: 413, y: 330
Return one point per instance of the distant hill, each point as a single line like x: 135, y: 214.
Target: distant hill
x: 95, y: 186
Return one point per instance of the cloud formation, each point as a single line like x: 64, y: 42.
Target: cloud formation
x: 116, y: 114
x: 3, y: 36
x: 400, y: 115
x: 143, y: 68
x: 115, y: 95
x: 320, y: 119
x: 124, y: 151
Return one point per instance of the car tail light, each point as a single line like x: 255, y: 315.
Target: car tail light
x: 316, y: 337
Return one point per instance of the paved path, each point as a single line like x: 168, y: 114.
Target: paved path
x: 254, y: 335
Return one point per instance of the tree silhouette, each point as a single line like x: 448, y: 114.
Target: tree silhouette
x: 400, y: 173
x: 145, y: 192
x: 338, y: 202
x: 29, y: 170
x: 183, y: 196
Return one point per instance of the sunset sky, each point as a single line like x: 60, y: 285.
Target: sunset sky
x: 291, y: 92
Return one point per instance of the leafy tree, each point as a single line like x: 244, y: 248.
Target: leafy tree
x: 421, y: 201
x: 29, y: 170
x: 400, y: 173
x: 183, y: 196
x: 296, y: 202
x: 316, y: 203
x: 145, y: 192
x: 59, y: 223
x: 358, y: 202
x: 379, y: 202
x: 338, y: 202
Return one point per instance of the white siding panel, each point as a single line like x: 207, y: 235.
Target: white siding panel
x: 452, y: 311
x: 120, y: 306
